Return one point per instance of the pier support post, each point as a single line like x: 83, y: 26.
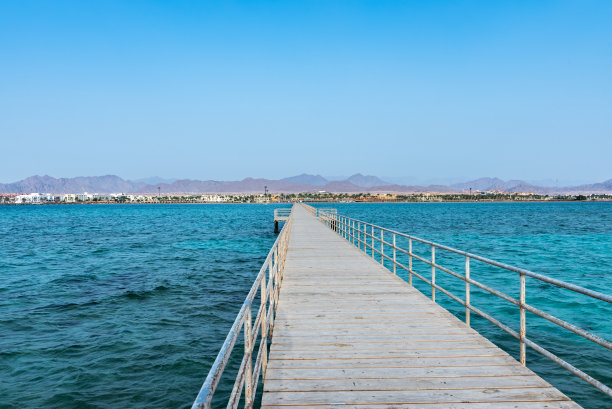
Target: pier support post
x: 276, y: 226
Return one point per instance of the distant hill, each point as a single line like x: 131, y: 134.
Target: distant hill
x: 366, y: 181
x: 517, y: 186
x: 357, y: 183
x: 603, y: 187
x: 154, y: 180
x: 248, y: 185
x: 306, y: 179
x: 91, y: 184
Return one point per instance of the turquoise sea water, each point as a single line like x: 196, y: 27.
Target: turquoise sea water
x: 109, y: 306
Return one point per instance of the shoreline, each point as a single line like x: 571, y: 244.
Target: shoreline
x: 312, y: 202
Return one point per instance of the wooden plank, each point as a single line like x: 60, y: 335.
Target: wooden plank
x: 385, y: 373
x: 416, y: 339
x: 338, y: 330
x: 343, y: 353
x: 391, y: 362
x: 342, y: 316
x: 461, y: 405
x: 377, y: 346
x: 414, y: 396
x: 380, y: 339
x: 370, y: 325
x: 404, y: 384
x: 358, y: 320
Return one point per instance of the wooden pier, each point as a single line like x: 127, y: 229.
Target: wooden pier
x: 328, y: 323
x: 349, y: 333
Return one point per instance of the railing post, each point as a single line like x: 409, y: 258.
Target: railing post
x: 365, y: 238
x: 276, y: 278
x: 346, y: 230
x: 264, y: 327
x: 372, y: 241
x: 467, y: 291
x: 353, y: 231
x: 433, y: 273
x: 248, y: 351
x: 271, y: 298
x: 382, y: 249
x: 394, y: 260
x: 277, y: 264
x: 523, y: 329
x: 410, y: 261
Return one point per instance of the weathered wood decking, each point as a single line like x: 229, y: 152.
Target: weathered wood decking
x: 350, y: 333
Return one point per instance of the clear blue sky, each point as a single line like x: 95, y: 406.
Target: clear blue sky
x: 225, y: 90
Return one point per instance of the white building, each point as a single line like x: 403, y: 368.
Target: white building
x: 84, y: 197
x: 32, y: 198
x: 214, y: 198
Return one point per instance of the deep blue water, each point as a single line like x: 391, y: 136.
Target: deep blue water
x: 107, y: 306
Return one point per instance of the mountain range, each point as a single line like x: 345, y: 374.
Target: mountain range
x: 301, y: 183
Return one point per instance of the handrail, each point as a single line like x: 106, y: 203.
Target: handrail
x: 248, y: 376
x: 356, y: 232
x: 321, y: 209
x: 282, y: 214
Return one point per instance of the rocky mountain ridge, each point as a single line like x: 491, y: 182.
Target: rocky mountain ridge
x: 301, y: 183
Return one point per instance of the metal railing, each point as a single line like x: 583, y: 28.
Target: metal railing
x: 249, y: 372
x: 315, y: 210
x: 359, y: 233
x: 321, y: 209
x: 282, y: 214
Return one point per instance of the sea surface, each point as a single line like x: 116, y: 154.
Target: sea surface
x: 126, y: 306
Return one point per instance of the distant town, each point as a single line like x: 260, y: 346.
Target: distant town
x: 122, y: 198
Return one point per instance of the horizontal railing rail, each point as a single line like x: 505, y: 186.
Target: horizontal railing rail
x: 359, y: 233
x: 267, y: 284
x: 315, y: 210
x: 282, y: 213
x: 326, y: 210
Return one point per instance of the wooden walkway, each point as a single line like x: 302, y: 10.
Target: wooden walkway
x: 349, y: 333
